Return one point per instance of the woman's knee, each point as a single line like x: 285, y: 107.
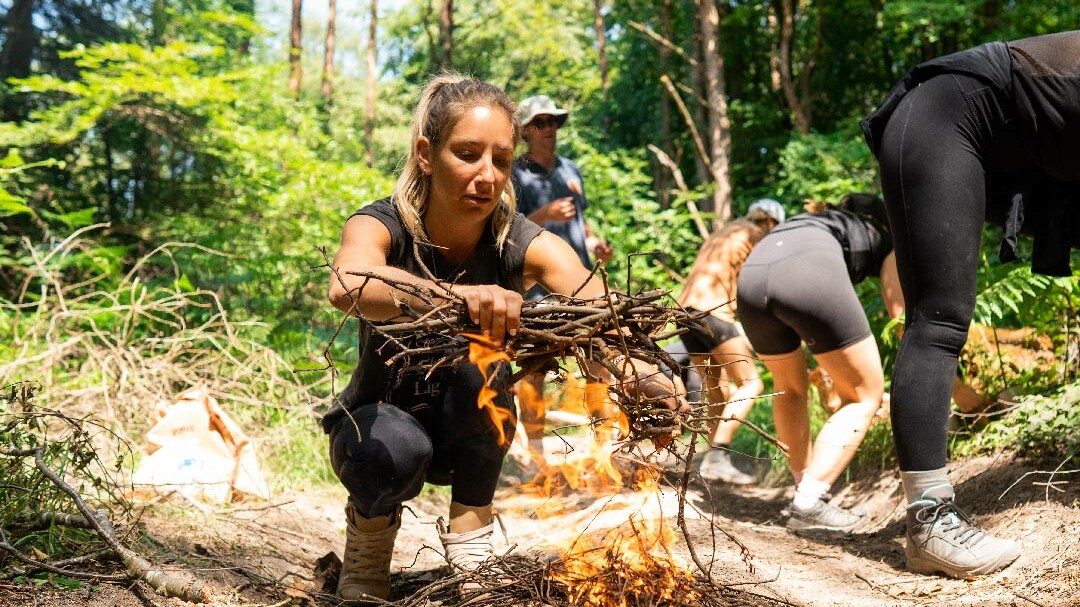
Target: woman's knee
x: 387, y: 462
x: 860, y: 414
x: 948, y: 332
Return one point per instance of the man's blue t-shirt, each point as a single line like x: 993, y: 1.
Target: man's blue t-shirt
x: 536, y: 187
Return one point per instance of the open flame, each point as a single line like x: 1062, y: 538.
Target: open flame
x: 484, y: 354
x: 589, y: 467
x: 629, y: 565
x: 606, y: 559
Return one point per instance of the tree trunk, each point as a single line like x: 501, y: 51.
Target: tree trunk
x: 799, y: 107
x: 988, y: 16
x: 295, y: 71
x: 601, y: 45
x: 774, y: 58
x: 247, y: 9
x: 372, y: 84
x: 797, y: 95
x: 446, y: 34
x: 697, y: 84
x: 328, y: 57
x: 667, y: 143
x: 433, y: 44
x: 719, y: 127
x: 157, y: 22
x: 20, y: 40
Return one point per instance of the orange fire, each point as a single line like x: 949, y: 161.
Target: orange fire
x: 590, y: 466
x: 484, y: 353
x: 608, y: 559
x: 630, y: 564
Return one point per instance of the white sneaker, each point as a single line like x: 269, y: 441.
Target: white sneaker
x: 717, y: 466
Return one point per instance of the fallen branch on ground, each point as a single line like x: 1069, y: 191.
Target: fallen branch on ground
x: 27, y: 430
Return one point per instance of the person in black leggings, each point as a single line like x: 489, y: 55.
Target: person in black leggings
x: 988, y: 133
x: 450, y: 228
x: 796, y: 287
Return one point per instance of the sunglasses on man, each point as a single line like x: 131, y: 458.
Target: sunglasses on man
x: 543, y: 123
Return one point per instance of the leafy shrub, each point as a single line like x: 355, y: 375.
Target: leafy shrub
x: 1041, y: 426
x: 826, y: 166
x: 115, y: 346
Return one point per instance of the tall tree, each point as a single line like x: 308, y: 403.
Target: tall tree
x: 328, y: 57
x: 295, y: 71
x: 20, y: 38
x: 719, y: 125
x: 601, y: 44
x: 372, y: 84
x: 446, y: 34
x: 796, y: 95
x: 667, y: 143
x: 157, y: 22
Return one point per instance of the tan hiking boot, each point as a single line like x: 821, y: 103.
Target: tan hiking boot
x: 369, y: 546
x: 942, y: 539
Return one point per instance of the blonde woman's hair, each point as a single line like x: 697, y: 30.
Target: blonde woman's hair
x: 443, y: 101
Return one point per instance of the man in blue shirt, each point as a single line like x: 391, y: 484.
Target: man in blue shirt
x: 550, y: 193
x: 549, y: 187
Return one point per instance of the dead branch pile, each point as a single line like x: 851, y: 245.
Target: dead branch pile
x: 604, y: 331
x: 44, y: 456
x: 545, y: 581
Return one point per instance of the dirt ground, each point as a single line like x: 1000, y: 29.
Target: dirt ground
x: 265, y: 554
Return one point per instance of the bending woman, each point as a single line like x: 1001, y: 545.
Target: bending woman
x: 989, y: 133
x: 718, y: 352
x: 797, y: 287
x: 450, y: 226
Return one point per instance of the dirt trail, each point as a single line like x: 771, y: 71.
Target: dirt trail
x: 242, y: 551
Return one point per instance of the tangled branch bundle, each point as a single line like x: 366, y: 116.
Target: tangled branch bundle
x: 44, y: 456
x: 605, y: 331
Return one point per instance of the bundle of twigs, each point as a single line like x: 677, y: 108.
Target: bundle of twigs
x: 609, y: 332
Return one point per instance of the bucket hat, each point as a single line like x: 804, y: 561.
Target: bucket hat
x: 540, y: 104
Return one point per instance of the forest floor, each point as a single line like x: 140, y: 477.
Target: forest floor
x: 266, y: 554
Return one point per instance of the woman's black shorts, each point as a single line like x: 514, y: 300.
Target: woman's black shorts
x: 710, y: 332
x: 795, y: 288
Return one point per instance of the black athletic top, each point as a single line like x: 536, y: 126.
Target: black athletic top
x: 865, y: 241
x: 372, y: 380
x: 1039, y: 81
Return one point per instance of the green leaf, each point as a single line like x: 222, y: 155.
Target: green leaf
x: 11, y: 205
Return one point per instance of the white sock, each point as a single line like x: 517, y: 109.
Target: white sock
x: 809, y: 491
x: 917, y: 483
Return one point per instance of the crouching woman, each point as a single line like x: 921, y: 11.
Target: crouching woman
x: 451, y: 227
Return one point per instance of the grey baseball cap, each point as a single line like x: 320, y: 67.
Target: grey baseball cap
x: 540, y: 104
x: 771, y: 207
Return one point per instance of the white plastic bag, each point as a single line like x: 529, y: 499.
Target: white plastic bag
x: 194, y: 447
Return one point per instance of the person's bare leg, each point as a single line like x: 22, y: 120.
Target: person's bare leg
x: 790, y: 413
x: 464, y: 519
x: 712, y: 385
x: 734, y: 358
x: 859, y: 382
x: 731, y: 382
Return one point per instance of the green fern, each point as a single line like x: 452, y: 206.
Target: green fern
x: 1008, y: 293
